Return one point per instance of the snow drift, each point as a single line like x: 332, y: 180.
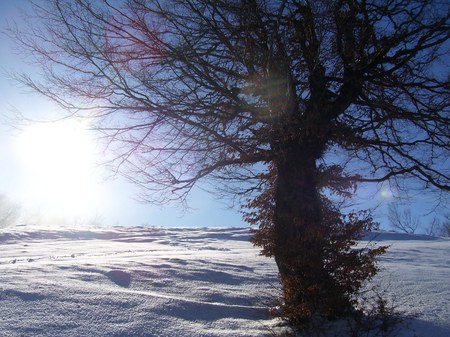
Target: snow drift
x: 154, y: 281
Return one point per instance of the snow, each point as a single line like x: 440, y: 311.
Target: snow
x: 155, y: 281
x: 416, y: 274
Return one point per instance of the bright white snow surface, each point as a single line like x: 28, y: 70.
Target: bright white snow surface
x: 153, y: 281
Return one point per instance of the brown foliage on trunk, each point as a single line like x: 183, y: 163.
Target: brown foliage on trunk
x: 321, y: 269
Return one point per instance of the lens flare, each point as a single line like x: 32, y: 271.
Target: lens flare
x: 388, y: 193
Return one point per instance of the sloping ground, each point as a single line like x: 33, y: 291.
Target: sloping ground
x: 145, y: 281
x: 132, y: 282
x: 416, y: 275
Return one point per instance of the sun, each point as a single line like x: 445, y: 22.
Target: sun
x: 59, y: 160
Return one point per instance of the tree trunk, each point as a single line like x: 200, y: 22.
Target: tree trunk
x: 299, y: 232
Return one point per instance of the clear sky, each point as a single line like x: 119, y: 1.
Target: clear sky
x: 51, y: 169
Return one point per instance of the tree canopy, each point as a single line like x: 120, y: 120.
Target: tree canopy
x: 208, y: 88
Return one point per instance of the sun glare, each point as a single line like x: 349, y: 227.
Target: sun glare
x: 59, y: 159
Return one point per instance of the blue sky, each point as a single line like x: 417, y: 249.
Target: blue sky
x: 37, y: 188
x: 115, y: 202
x: 111, y: 200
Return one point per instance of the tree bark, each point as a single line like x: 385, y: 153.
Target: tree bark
x: 299, y: 231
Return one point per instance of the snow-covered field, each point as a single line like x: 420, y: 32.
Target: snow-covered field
x: 152, y: 281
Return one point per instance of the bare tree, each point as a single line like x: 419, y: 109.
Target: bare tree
x: 9, y: 211
x: 279, y: 102
x: 445, y: 225
x: 403, y: 220
x: 440, y: 227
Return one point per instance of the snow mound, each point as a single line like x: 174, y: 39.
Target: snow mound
x: 380, y: 236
